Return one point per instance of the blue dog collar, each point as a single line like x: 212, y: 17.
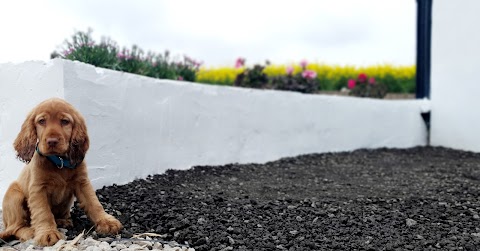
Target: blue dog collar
x: 59, y: 161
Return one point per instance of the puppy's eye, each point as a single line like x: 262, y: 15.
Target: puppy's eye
x: 42, y: 121
x: 64, y: 122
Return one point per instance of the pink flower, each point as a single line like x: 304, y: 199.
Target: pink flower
x: 197, y: 64
x: 121, y: 55
x: 303, y: 63
x: 180, y: 78
x: 362, y: 77
x: 371, y: 81
x: 68, y: 52
x: 351, y: 84
x: 289, y: 70
x: 239, y: 63
x: 309, y: 74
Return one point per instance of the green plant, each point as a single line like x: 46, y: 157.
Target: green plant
x: 83, y: 48
x: 187, y: 69
x: 252, y: 77
x: 305, y: 81
x: 366, y: 87
x: 107, y: 54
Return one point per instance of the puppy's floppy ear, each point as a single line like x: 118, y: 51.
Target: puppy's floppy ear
x: 79, y: 141
x: 26, y: 139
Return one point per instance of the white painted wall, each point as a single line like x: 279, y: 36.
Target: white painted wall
x: 22, y: 86
x: 140, y: 126
x: 455, y: 82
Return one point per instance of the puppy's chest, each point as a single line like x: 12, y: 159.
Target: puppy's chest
x: 59, y: 190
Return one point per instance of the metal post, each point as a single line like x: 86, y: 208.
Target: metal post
x: 424, y: 34
x: 424, y: 30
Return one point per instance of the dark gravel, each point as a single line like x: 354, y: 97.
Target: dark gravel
x: 385, y: 199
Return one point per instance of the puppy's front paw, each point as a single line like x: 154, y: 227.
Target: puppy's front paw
x: 47, y: 237
x: 108, y: 225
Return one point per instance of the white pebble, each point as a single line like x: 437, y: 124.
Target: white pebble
x: 120, y: 246
x: 476, y: 234
x: 93, y: 248
x: 157, y: 245
x: 410, y: 222
x: 90, y: 242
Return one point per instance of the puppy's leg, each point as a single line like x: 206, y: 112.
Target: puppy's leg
x: 104, y: 223
x: 62, y: 213
x: 15, y: 216
x: 43, y: 221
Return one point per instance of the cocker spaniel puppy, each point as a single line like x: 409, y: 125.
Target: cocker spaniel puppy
x: 53, y: 142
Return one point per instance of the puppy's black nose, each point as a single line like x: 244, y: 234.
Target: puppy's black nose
x: 52, y: 142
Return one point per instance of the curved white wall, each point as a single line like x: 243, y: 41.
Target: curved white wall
x: 140, y: 126
x: 455, y: 74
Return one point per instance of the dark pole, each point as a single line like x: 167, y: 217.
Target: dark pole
x: 424, y: 35
x: 424, y: 31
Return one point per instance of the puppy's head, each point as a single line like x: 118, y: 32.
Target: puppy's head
x: 58, y: 128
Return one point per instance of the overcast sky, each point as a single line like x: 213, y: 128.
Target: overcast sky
x: 358, y: 32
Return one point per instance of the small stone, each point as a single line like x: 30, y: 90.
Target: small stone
x: 476, y: 234
x: 409, y: 247
x: 411, y: 222
x: 476, y: 217
x: 157, y: 245
x: 104, y: 245
x: 93, y: 248
x: 299, y: 218
x: 135, y: 247
x: 120, y: 246
x: 293, y: 232
x: 231, y: 240
x: 315, y: 220
x: 201, y: 221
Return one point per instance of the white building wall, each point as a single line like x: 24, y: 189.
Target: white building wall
x: 140, y: 126
x: 22, y: 86
x: 455, y: 81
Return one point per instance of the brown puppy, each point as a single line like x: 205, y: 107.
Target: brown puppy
x: 53, y: 141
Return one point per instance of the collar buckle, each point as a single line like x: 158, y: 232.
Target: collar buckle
x: 61, y: 161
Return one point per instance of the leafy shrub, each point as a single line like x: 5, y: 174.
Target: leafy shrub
x: 107, y: 54
x: 304, y: 82
x: 252, y: 77
x: 366, y: 87
x: 82, y: 48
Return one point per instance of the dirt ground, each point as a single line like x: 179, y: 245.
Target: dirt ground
x: 385, y: 199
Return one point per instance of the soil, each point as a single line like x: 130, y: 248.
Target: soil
x: 423, y: 198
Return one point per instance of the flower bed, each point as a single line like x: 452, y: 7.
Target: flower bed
x: 304, y: 77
